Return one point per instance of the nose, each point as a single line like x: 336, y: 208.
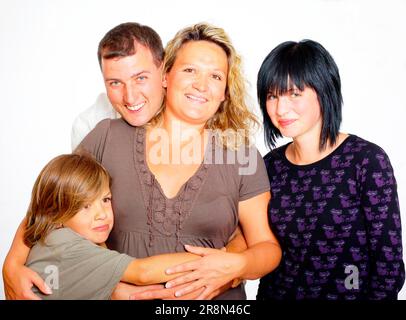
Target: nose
x: 200, y: 82
x: 129, y: 95
x: 101, y: 212
x: 282, y: 106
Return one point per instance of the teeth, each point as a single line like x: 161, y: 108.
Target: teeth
x: 136, y: 107
x: 196, y: 98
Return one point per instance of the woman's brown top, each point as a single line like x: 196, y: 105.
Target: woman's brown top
x: 203, y: 213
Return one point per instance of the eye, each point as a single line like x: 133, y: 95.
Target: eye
x: 217, y: 77
x: 142, y: 78
x: 188, y: 70
x: 270, y: 96
x: 114, y: 83
x: 107, y: 199
x: 295, y: 94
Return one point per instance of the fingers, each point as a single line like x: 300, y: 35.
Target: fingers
x: 40, y: 283
x: 218, y: 291
x: 187, y: 266
x: 160, y: 293
x: 189, y: 296
x: 9, y: 293
x: 151, y: 294
x: 196, y: 285
x: 236, y: 282
x: 29, y: 295
x: 205, y: 294
x: 189, y: 277
x: 215, y: 293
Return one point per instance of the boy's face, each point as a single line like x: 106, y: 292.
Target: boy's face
x: 95, y: 220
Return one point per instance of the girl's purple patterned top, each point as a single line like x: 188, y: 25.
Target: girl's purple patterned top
x: 338, y: 222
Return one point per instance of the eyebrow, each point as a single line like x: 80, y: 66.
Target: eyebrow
x: 289, y: 90
x: 132, y: 76
x: 194, y: 65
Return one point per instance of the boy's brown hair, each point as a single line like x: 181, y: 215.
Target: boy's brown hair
x: 64, y: 186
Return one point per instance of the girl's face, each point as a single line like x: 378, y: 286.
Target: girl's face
x: 295, y: 113
x: 197, y: 82
x: 95, y: 220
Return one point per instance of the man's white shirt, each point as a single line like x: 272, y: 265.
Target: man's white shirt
x: 88, y: 119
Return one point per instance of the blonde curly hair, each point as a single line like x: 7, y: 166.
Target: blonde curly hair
x: 233, y: 114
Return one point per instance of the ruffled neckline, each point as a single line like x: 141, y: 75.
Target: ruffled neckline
x: 166, y: 216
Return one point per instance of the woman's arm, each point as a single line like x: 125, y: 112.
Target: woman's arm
x: 18, y: 279
x: 380, y: 204
x: 264, y: 253
x: 216, y: 268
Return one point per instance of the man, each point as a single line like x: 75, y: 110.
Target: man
x: 130, y: 57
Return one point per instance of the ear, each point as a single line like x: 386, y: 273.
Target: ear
x: 225, y: 94
x: 164, y: 81
x: 223, y: 98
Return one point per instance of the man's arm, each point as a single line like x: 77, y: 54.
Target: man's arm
x: 18, y: 279
x: 237, y: 242
x: 123, y: 291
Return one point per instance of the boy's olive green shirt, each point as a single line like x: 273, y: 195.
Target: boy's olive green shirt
x: 76, y: 268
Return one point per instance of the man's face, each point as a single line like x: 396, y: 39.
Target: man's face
x: 134, y: 85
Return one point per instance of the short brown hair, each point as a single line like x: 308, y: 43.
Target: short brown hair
x: 121, y: 41
x: 64, y: 186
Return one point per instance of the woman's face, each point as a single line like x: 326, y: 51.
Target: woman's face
x: 197, y: 82
x: 295, y: 113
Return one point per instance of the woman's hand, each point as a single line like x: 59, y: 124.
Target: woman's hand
x: 18, y: 281
x: 214, y: 271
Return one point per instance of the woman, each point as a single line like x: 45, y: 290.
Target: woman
x: 174, y: 181
x: 334, y: 203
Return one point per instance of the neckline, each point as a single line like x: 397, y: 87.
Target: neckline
x: 196, y: 177
x: 349, y: 138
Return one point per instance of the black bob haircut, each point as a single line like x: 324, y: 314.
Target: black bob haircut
x: 302, y: 64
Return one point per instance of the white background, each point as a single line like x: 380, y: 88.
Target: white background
x: 49, y: 72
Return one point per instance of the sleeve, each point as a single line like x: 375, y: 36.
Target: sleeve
x: 96, y: 140
x: 91, y: 272
x: 253, y: 175
x: 84, y: 123
x: 79, y: 130
x: 379, y: 200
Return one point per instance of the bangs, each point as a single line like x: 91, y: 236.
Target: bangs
x: 289, y: 73
x: 94, y: 187
x: 84, y: 181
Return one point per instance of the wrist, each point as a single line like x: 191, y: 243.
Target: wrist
x: 14, y: 262
x: 242, y: 265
